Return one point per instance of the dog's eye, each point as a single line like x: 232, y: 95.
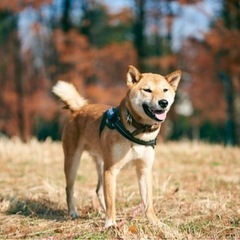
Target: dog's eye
x: 147, y: 90
x: 165, y: 89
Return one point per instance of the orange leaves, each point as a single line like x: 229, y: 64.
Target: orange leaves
x: 205, y: 88
x: 72, y: 47
x: 100, y: 73
x: 16, y: 5
x: 133, y: 229
x: 165, y: 62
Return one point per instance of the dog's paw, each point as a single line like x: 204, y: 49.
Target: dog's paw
x: 109, y: 223
x: 153, y: 219
x: 155, y: 222
x: 74, y: 215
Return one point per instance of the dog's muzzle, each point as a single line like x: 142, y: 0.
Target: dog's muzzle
x: 155, y: 114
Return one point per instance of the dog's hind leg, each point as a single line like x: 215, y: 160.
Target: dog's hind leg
x: 71, y: 167
x: 99, y: 190
x: 71, y: 164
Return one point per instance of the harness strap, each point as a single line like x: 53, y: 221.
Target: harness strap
x: 111, y: 119
x: 140, y: 128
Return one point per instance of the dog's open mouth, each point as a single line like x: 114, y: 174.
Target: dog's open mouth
x: 156, y: 114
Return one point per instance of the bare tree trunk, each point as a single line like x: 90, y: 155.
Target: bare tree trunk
x: 66, y: 24
x: 196, y: 133
x: 232, y: 78
x: 236, y: 83
x: 20, y: 94
x: 138, y: 31
x: 236, y: 107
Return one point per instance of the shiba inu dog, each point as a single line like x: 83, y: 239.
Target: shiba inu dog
x: 116, y: 136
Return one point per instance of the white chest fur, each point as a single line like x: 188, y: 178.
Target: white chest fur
x: 136, y: 152
x: 142, y: 152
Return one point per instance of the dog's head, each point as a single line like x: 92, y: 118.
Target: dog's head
x: 151, y: 95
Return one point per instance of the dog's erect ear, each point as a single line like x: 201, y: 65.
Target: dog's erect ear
x: 174, y: 78
x: 133, y: 76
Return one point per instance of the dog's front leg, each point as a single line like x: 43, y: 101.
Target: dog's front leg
x: 109, y: 193
x: 144, y: 173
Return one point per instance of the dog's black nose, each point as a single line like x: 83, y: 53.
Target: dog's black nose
x: 163, y: 103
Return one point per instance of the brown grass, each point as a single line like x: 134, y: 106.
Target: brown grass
x: 196, y: 194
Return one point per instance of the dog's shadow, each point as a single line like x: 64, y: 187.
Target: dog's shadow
x: 43, y: 209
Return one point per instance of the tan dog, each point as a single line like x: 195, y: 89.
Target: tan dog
x: 123, y: 134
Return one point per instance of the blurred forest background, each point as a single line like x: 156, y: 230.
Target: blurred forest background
x: 92, y: 42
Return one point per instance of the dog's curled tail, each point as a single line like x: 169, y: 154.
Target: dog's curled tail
x: 69, y: 95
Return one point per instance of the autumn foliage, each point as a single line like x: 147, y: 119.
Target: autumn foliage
x: 16, y: 6
x: 94, y: 53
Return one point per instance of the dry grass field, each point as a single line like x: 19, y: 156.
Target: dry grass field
x: 196, y: 194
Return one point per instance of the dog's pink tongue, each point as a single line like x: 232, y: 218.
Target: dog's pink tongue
x: 161, y: 116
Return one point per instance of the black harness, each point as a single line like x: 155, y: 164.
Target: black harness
x: 111, y: 119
